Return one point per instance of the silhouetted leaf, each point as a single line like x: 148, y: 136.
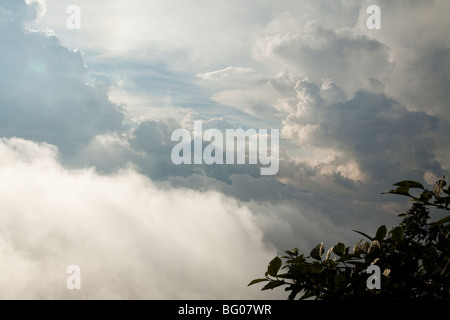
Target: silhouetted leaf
x: 292, y: 252
x: 404, y: 191
x: 425, y: 196
x: 272, y: 285
x: 274, y: 267
x: 317, y: 252
x: 365, y: 235
x: 339, y: 249
x: 409, y: 184
x: 381, y: 233
x: 257, y: 281
x: 397, y: 234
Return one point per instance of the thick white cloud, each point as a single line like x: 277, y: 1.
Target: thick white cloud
x: 130, y: 239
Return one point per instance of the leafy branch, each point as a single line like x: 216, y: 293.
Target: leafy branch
x: 414, y: 257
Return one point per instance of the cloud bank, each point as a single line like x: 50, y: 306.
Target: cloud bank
x: 130, y: 239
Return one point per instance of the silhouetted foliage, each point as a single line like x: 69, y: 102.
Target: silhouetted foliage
x: 413, y: 258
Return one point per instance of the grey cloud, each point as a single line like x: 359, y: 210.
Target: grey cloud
x: 381, y: 135
x: 321, y: 53
x: 298, y: 216
x: 148, y: 149
x: 428, y: 80
x: 18, y: 11
x: 346, y: 182
x: 417, y: 35
x: 153, y: 139
x: 43, y: 95
x: 166, y: 225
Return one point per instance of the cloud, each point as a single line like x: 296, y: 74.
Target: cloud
x: 130, y: 239
x: 320, y: 53
x: 372, y: 129
x: 358, y: 110
x: 225, y: 73
x: 44, y: 96
x: 200, y: 32
x: 416, y: 33
x: 303, y: 215
x: 17, y: 12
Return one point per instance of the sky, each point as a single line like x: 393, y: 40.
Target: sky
x: 86, y: 118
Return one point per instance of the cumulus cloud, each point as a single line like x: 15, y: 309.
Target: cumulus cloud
x: 321, y: 53
x: 130, y: 239
x: 44, y: 96
x: 373, y: 130
x: 416, y: 33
